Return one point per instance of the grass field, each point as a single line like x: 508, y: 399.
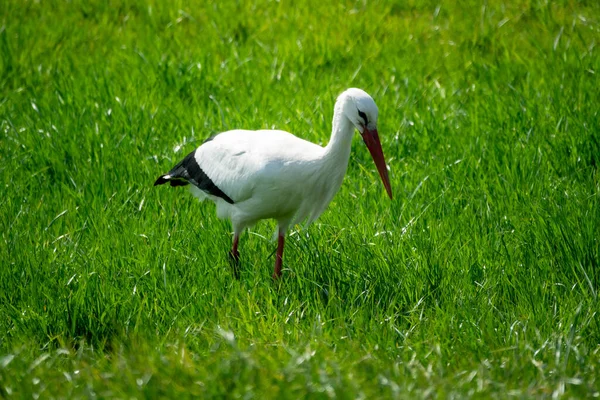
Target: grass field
x: 480, y: 279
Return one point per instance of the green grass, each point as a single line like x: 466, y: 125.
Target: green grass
x: 480, y: 279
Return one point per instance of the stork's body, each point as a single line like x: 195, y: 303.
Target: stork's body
x: 271, y: 174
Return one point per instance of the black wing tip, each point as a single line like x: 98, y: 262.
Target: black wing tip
x: 173, y: 181
x: 161, y: 180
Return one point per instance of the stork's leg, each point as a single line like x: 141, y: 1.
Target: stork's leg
x: 234, y: 256
x: 279, y: 256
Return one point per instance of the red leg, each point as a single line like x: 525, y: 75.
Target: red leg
x: 235, y: 257
x: 279, y: 257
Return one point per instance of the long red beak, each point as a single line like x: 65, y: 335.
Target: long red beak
x: 371, y: 139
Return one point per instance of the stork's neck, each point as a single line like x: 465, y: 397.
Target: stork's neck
x: 337, y: 151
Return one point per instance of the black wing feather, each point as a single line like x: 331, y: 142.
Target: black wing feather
x: 188, y: 171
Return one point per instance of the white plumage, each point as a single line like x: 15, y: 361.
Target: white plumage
x: 272, y: 174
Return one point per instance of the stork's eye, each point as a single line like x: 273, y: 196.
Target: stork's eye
x: 363, y: 116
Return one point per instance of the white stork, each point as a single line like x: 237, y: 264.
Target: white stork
x: 254, y: 175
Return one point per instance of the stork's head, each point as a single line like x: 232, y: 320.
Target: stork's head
x: 361, y: 110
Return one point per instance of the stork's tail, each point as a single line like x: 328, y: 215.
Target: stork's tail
x: 174, y: 181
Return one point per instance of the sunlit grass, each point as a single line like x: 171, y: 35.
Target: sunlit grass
x: 480, y: 278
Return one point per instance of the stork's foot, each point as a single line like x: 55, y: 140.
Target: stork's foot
x: 234, y: 261
x: 276, y: 275
x: 277, y: 271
